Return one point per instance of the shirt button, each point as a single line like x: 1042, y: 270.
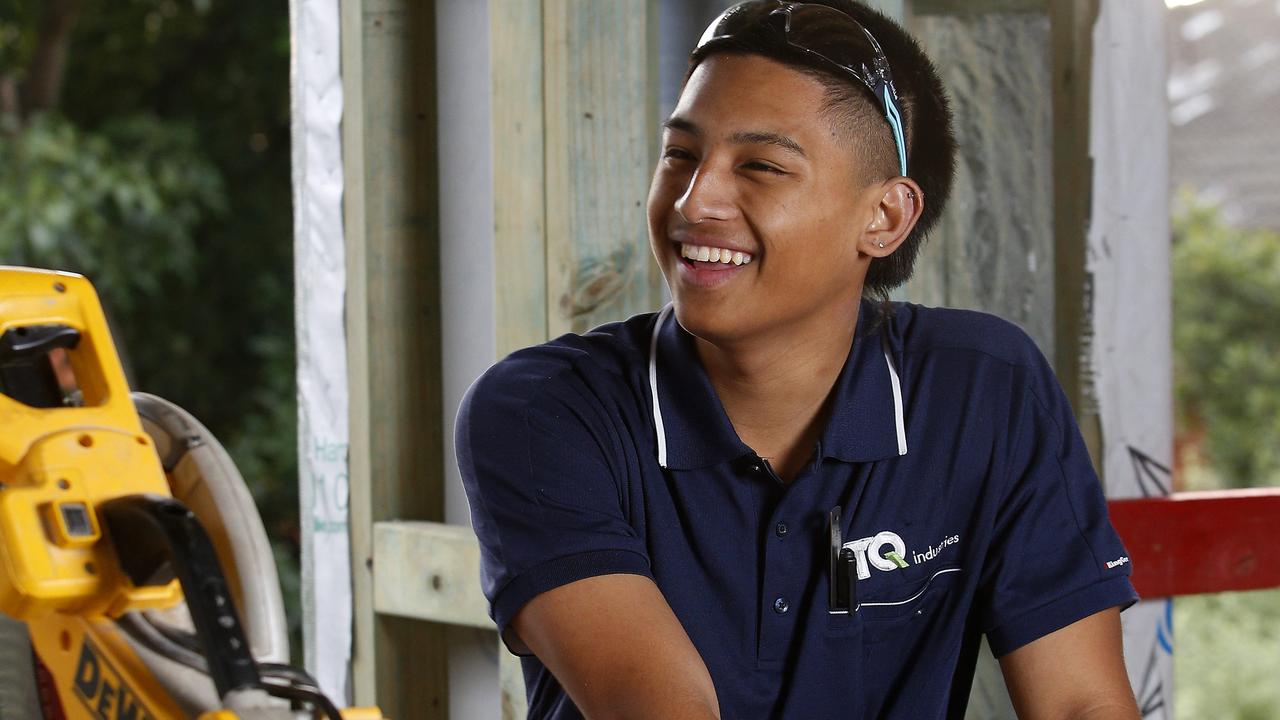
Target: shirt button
x: 755, y: 468
x: 780, y: 606
x: 780, y: 529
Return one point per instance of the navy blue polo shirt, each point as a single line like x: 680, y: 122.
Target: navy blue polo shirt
x: 968, y: 499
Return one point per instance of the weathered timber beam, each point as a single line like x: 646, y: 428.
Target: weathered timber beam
x: 428, y: 571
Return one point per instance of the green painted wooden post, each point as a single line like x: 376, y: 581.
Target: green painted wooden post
x: 393, y: 327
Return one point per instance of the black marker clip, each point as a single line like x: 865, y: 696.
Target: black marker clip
x: 842, y: 574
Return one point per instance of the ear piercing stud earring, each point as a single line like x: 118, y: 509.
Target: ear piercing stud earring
x: 881, y: 244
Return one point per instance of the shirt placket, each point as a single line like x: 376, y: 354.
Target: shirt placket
x: 787, y: 560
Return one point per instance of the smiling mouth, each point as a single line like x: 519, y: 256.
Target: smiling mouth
x: 706, y: 255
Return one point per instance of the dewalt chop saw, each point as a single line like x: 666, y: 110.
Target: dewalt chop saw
x: 136, y: 581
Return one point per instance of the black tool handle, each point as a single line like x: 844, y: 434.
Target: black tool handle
x: 32, y: 340
x: 156, y: 539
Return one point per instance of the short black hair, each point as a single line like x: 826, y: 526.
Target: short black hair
x: 927, y: 121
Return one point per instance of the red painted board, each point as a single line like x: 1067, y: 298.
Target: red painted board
x: 1201, y: 542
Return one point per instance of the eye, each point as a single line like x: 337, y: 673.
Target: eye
x: 677, y: 153
x: 761, y: 166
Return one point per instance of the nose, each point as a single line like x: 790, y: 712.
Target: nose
x: 707, y: 197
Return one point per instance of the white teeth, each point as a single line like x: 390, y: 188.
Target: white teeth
x: 705, y: 253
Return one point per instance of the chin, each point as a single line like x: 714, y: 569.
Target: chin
x: 713, y: 322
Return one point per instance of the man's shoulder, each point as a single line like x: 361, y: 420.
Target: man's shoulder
x: 605, y: 358
x: 925, y: 330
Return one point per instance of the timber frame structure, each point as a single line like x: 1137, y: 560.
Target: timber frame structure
x: 573, y: 137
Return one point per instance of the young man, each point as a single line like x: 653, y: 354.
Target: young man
x: 776, y: 498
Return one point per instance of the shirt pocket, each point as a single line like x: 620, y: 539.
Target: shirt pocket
x: 900, y: 611
x: 911, y: 609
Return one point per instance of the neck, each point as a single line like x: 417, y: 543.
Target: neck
x: 774, y: 386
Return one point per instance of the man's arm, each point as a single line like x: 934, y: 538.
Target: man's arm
x: 1075, y: 673
x: 618, y: 650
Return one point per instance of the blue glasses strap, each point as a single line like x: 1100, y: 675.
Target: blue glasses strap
x: 895, y: 122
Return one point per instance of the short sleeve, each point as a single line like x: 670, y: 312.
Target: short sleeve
x: 540, y: 460
x: 1055, y: 557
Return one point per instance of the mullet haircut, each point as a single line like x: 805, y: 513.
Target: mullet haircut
x: 926, y: 112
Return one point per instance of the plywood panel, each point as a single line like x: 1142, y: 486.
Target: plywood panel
x: 994, y: 247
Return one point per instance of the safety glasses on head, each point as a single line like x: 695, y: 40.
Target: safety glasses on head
x: 824, y: 34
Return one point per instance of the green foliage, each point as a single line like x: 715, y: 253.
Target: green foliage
x: 121, y: 205
x: 17, y: 34
x: 1226, y: 297
x: 1227, y: 651
x: 164, y: 176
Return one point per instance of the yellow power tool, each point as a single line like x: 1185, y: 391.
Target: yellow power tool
x: 118, y: 515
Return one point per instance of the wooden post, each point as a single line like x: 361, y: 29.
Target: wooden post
x: 600, y: 107
x: 519, y: 176
x: 1072, y: 23
x: 574, y: 139
x: 393, y: 327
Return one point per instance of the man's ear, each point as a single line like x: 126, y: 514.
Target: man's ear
x: 898, y: 205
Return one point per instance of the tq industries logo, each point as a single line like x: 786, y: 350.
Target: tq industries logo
x: 886, y: 551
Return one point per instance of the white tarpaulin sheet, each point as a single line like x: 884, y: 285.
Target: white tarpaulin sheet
x: 1128, y: 264
x: 320, y: 284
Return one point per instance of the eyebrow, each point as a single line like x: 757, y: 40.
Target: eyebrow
x: 744, y: 137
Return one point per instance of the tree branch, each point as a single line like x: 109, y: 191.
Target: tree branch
x: 43, y: 84
x: 8, y: 96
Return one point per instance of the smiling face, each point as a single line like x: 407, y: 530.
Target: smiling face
x: 756, y: 211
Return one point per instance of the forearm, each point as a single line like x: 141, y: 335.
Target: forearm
x: 1119, y: 709
x: 653, y: 703
x: 637, y: 664
x: 674, y: 690
x: 1075, y: 673
x: 1096, y: 709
